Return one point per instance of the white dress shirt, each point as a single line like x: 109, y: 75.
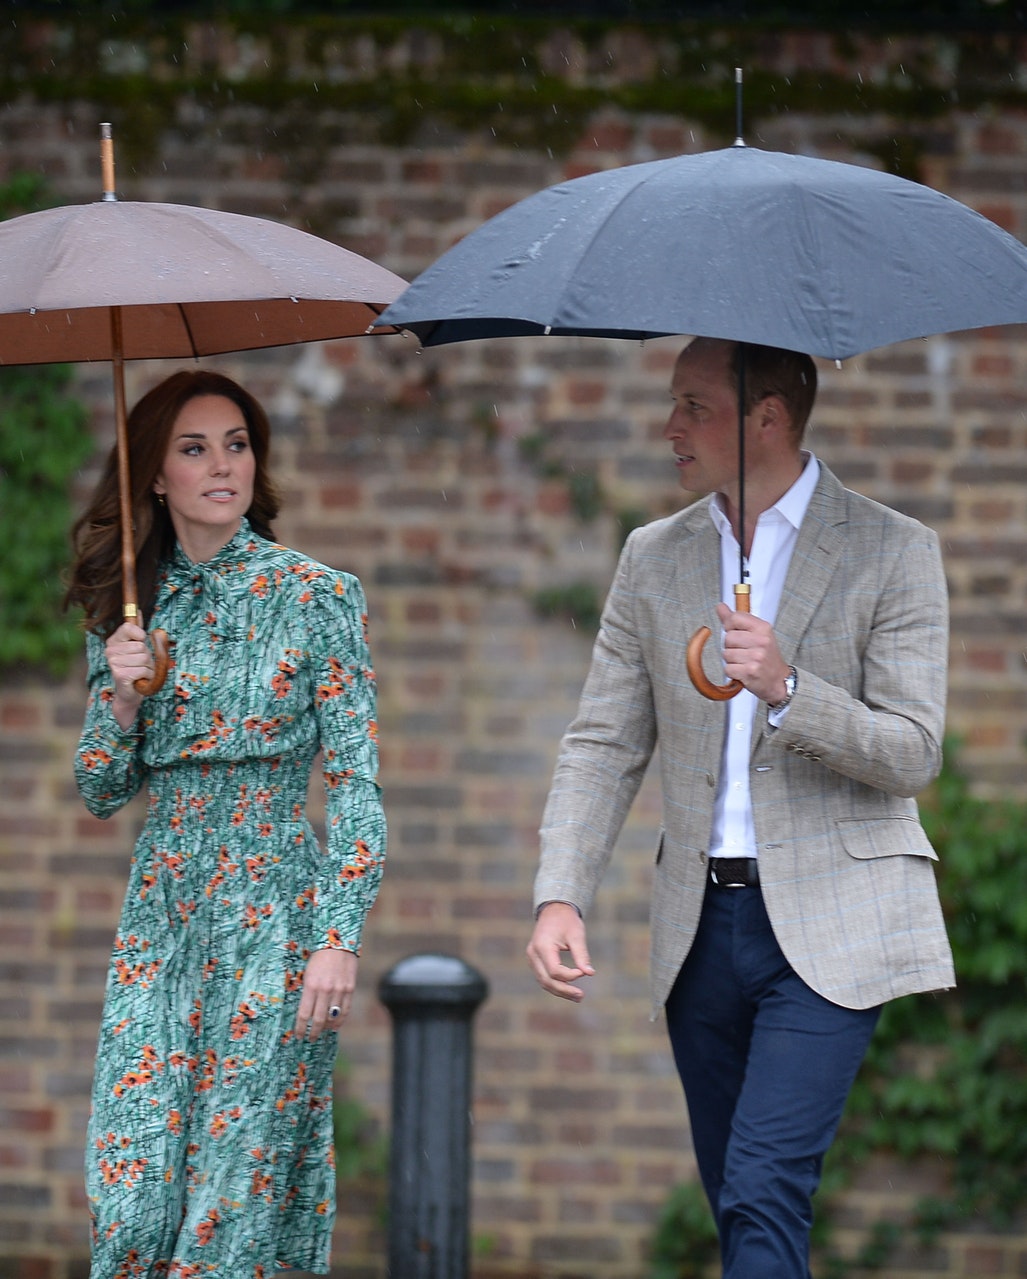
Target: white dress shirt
x: 777, y: 531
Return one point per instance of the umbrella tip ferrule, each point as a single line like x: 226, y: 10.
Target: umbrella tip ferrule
x: 739, y: 140
x: 107, y: 161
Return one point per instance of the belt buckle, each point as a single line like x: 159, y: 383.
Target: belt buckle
x: 721, y: 884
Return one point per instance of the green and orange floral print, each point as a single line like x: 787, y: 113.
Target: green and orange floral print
x: 210, y: 1147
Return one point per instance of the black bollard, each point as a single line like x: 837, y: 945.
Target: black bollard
x: 432, y: 999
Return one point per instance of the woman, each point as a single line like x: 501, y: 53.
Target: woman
x: 210, y: 1143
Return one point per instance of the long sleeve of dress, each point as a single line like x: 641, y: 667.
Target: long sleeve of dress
x: 345, y: 706
x: 108, y: 766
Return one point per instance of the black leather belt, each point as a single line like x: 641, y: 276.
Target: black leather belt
x: 734, y: 872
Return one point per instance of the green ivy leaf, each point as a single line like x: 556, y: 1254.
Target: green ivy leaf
x: 44, y: 439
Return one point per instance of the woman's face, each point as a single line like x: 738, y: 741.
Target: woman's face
x: 207, y: 475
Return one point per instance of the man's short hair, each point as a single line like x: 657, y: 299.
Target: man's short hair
x: 771, y: 370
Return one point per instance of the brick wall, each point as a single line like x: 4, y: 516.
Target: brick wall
x: 408, y: 469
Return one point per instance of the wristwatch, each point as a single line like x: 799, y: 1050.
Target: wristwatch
x: 791, y: 679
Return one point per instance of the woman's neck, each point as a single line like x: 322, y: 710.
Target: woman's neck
x: 199, y: 549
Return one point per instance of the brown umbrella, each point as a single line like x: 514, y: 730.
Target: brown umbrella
x: 130, y: 281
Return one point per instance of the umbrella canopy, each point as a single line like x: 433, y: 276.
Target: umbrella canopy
x: 189, y: 282
x: 753, y: 246
x: 116, y: 281
x: 756, y: 246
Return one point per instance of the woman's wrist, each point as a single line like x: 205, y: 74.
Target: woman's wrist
x: 125, y: 713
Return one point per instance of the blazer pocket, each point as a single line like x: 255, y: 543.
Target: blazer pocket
x: 867, y: 838
x: 659, y: 847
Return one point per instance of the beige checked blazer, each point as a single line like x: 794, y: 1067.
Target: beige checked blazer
x: 845, y: 866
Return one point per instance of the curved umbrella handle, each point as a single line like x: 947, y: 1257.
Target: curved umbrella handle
x: 159, y: 640
x: 693, y: 657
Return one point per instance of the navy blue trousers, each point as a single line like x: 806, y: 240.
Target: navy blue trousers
x: 766, y: 1065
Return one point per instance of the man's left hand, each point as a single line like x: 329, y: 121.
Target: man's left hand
x: 752, y: 656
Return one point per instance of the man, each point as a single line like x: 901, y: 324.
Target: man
x: 793, y: 888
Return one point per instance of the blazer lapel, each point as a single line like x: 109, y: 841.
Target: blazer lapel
x: 818, y: 549
x: 698, y: 566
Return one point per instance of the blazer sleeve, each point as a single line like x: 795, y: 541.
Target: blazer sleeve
x: 889, y: 733
x: 603, y: 755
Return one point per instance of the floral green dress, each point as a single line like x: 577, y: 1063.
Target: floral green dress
x: 210, y: 1146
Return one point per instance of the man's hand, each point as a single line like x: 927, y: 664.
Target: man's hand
x: 752, y: 656
x: 558, y: 930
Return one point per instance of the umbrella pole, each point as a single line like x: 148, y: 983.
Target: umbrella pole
x: 693, y: 654
x: 129, y: 590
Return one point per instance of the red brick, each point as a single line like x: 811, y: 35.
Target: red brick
x: 577, y: 1172
x: 993, y: 139
x: 40, y: 1119
x: 1001, y: 213
x: 409, y: 907
x: 980, y: 1259
x: 20, y: 717
x: 420, y: 541
x: 993, y: 660
x: 586, y: 394
x: 423, y: 611
x: 335, y: 497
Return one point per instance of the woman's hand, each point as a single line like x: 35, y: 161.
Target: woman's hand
x: 328, y: 984
x: 129, y: 657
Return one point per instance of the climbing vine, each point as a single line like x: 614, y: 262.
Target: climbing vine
x: 946, y: 1076
x: 44, y: 439
x: 400, y: 75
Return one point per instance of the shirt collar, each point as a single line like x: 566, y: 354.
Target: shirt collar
x: 791, y: 505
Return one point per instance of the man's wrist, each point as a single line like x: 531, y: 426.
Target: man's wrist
x: 556, y: 901
x: 790, y: 682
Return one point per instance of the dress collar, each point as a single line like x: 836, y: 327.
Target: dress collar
x: 222, y: 561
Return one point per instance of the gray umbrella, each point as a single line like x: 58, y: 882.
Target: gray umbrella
x: 753, y: 246
x: 783, y: 250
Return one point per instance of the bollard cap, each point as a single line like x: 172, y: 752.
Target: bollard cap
x: 432, y: 980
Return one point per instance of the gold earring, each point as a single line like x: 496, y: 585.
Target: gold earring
x: 160, y: 499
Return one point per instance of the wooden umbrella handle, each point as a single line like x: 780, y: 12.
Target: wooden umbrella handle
x: 693, y: 657
x: 147, y: 687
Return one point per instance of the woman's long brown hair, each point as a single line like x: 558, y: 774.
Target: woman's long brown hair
x: 95, y: 579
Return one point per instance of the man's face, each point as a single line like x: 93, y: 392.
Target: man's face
x: 703, y: 424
